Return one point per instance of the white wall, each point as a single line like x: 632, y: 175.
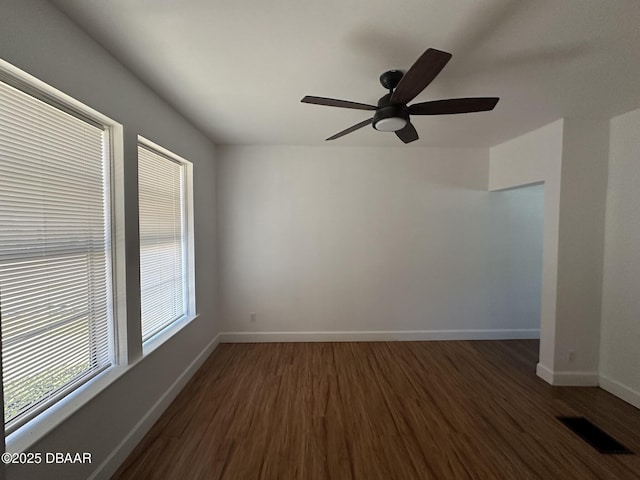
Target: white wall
x: 570, y: 157
x: 37, y: 38
x: 583, y: 190
x: 528, y: 159
x: 620, y: 339
x: 532, y: 158
x: 334, y: 239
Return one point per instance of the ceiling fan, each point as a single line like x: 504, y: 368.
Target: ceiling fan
x: 392, y: 113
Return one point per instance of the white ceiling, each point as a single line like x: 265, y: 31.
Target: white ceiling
x: 238, y: 68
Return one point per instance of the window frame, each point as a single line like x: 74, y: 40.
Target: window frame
x: 45, y: 421
x: 176, y: 325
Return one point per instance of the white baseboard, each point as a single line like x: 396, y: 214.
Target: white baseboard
x: 544, y: 373
x: 377, y: 336
x: 108, y: 467
x: 620, y: 390
x: 567, y: 379
x: 576, y: 379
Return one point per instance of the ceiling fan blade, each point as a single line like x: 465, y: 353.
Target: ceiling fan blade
x: 407, y: 134
x: 351, y: 129
x: 421, y: 74
x: 454, y: 105
x: 332, y: 102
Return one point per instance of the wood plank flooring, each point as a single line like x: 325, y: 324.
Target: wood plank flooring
x: 396, y: 410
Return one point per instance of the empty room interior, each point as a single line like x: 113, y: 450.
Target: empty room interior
x: 320, y: 240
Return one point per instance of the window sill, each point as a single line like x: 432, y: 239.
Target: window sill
x: 31, y: 432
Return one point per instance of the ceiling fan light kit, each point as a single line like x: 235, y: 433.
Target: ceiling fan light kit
x: 389, y: 124
x: 390, y: 117
x: 393, y: 114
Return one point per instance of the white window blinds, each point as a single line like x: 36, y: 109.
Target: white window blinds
x: 55, y: 267
x: 163, y: 279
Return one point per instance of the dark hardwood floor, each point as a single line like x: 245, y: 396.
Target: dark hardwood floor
x: 397, y: 410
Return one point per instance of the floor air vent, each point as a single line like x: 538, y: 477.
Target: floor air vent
x: 594, y: 436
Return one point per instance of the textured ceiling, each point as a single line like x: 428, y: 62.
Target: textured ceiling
x: 238, y: 69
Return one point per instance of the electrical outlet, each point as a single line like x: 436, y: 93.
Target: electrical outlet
x: 572, y: 355
x: 253, y: 316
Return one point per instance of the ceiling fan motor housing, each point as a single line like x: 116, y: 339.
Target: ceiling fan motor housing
x: 390, y: 117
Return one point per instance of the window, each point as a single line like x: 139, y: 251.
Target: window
x: 56, y: 295
x: 166, y: 265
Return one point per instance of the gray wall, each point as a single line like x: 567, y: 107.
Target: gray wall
x: 37, y: 38
x: 349, y: 239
